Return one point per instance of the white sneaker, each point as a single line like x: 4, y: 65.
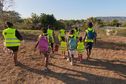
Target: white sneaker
x: 71, y: 63
x: 68, y: 59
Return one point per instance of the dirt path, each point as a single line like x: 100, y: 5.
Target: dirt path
x: 107, y: 66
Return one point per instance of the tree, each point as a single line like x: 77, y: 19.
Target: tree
x: 6, y: 4
x: 46, y: 19
x: 92, y: 19
x: 35, y: 18
x: 11, y: 16
x: 115, y: 23
x: 4, y: 7
x: 59, y: 25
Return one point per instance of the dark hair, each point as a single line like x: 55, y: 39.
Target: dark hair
x: 76, y: 28
x: 50, y: 26
x: 44, y: 31
x: 72, y: 32
x: 63, y: 38
x: 90, y: 24
x: 80, y: 39
x: 9, y: 24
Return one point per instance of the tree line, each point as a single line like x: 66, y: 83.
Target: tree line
x: 37, y: 22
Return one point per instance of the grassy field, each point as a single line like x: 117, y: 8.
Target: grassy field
x: 101, y: 32
x: 121, y: 32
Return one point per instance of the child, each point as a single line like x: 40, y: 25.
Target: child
x: 63, y: 46
x: 43, y: 47
x: 72, y: 43
x: 57, y: 43
x: 50, y: 32
x: 80, y: 49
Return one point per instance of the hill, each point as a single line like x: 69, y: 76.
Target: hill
x: 110, y: 18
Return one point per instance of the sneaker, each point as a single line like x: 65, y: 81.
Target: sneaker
x: 68, y: 59
x: 71, y: 63
x: 17, y: 63
x: 64, y: 58
x: 46, y: 69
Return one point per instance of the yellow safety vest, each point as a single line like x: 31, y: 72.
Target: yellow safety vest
x: 72, y: 36
x: 10, y: 40
x: 63, y: 45
x: 62, y: 32
x: 89, y: 40
x: 76, y: 33
x: 50, y: 32
x: 50, y: 35
x: 80, y: 46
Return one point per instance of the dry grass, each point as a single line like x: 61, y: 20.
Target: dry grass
x: 107, y: 66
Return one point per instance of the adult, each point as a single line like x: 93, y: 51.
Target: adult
x: 12, y: 40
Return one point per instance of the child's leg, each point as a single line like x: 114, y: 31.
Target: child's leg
x: 56, y: 47
x: 72, y: 59
x: 80, y: 58
x: 52, y: 47
x: 89, y: 50
x: 88, y: 53
x: 15, y: 57
x: 64, y: 54
x: 68, y: 57
x: 46, y: 59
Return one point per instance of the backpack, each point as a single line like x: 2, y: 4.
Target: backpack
x: 43, y: 44
x: 90, y: 34
x: 72, y: 44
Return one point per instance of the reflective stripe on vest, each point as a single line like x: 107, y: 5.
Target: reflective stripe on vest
x: 89, y: 40
x: 10, y: 39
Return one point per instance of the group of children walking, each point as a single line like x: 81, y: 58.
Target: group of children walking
x: 67, y: 43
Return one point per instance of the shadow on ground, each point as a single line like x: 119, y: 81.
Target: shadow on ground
x: 68, y: 78
x: 113, y: 65
x: 110, y: 45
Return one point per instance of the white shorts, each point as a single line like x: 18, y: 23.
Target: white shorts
x: 72, y: 52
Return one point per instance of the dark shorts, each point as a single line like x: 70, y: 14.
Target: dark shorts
x: 52, y: 45
x: 14, y: 49
x: 89, y: 45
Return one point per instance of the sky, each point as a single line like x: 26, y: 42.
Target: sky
x: 71, y: 9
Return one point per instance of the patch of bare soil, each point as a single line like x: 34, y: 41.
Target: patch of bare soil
x: 106, y: 66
